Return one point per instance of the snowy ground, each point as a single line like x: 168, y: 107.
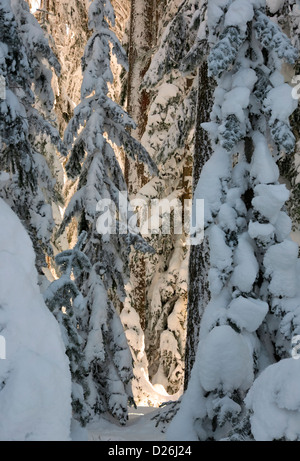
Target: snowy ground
x: 140, y: 427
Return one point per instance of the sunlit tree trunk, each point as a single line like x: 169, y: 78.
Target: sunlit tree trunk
x: 141, y: 40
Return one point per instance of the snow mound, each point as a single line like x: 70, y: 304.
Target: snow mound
x: 221, y: 254
x: 35, y: 392
x: 225, y: 361
x: 283, y: 276
x: 280, y: 103
x: 269, y: 200
x: 245, y: 265
x: 274, y: 400
x: 209, y: 187
x: 240, y: 12
x: 263, y: 167
x: 15, y: 241
x: 247, y: 313
x: 275, y: 5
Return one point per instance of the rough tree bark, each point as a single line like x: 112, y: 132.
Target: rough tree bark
x: 198, y: 292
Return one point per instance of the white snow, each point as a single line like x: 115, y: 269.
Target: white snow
x: 35, y: 4
x: 240, y: 12
x: 140, y: 426
x: 4, y: 176
x: 263, y: 232
x: 274, y: 400
x: 215, y: 10
x: 280, y: 103
x: 215, y: 282
x: 269, y: 199
x: 276, y: 78
x: 245, y: 265
x: 192, y: 408
x: 263, y: 167
x: 220, y: 253
x: 275, y: 5
x: 247, y: 313
x: 215, y: 311
x: 227, y: 217
x: 283, y: 226
x: 166, y: 91
x: 225, y: 361
x: 144, y: 392
x: 244, y: 78
x: 209, y: 186
x: 235, y: 101
x: 280, y: 262
x: 35, y: 394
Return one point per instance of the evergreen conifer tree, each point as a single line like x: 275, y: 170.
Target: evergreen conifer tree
x: 99, y: 124
x: 169, y: 133
x: 287, y: 15
x: 67, y: 304
x: 27, y: 184
x: 252, y: 316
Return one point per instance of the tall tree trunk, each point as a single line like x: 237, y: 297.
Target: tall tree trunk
x: 198, y: 292
x: 141, y: 40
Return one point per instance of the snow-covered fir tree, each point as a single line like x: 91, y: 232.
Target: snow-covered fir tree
x: 217, y: 112
x: 287, y: 15
x: 67, y: 23
x: 27, y: 182
x: 97, y: 126
x: 252, y: 317
x: 166, y: 288
x: 67, y: 304
x: 172, y: 99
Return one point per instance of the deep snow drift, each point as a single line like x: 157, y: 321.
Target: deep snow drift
x: 35, y: 383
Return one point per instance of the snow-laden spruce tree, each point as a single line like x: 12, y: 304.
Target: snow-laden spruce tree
x: 287, y: 15
x: 166, y: 288
x: 67, y: 24
x: 67, y: 304
x: 26, y: 182
x: 182, y: 52
x: 35, y: 391
x: 101, y: 207
x: 168, y: 136
x: 253, y: 313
